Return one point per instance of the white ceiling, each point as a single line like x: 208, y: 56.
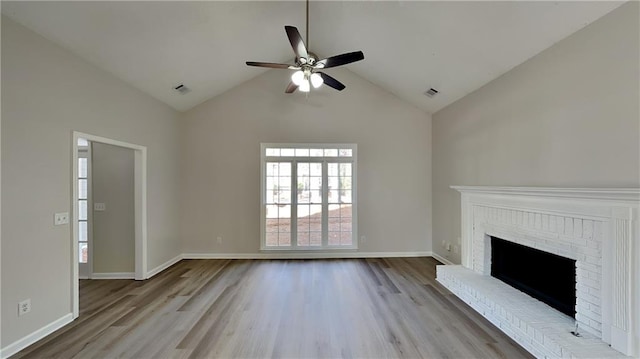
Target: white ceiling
x: 455, y: 47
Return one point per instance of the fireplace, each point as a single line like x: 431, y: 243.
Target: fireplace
x: 544, y: 276
x: 594, y: 233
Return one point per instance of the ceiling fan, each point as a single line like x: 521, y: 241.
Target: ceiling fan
x: 307, y: 65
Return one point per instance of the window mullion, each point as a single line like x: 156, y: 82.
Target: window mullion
x: 294, y: 204
x: 325, y: 205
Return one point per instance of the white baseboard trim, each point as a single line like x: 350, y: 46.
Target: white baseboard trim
x: 164, y: 266
x: 114, y: 275
x: 303, y: 255
x: 27, y: 340
x: 441, y: 258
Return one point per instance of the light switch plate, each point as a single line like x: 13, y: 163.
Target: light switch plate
x: 61, y: 218
x: 99, y: 207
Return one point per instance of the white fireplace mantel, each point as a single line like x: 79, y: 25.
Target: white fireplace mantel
x: 597, y: 227
x: 622, y: 194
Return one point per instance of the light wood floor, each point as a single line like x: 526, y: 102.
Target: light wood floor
x: 373, y: 308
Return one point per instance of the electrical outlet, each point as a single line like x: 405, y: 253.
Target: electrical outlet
x: 456, y: 248
x: 98, y: 207
x: 363, y: 239
x: 219, y: 239
x: 24, y: 307
x: 61, y: 218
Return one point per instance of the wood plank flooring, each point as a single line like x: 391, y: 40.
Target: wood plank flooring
x: 338, y: 308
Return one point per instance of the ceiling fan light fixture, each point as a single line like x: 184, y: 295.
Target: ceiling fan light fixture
x: 304, y: 86
x: 316, y: 80
x: 297, y: 77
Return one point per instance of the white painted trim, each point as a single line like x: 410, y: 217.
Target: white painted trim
x: 75, y: 271
x: 140, y: 208
x: 164, y: 266
x: 305, y: 255
x: 114, y: 275
x: 29, y: 339
x: 623, y: 194
x: 442, y: 259
x: 140, y: 178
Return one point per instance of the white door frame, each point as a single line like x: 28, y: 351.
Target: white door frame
x: 140, y: 210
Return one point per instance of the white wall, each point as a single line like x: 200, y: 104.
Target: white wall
x: 221, y: 160
x: 568, y: 117
x: 112, y: 178
x: 46, y: 94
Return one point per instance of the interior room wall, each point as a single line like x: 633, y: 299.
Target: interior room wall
x: 221, y: 160
x: 112, y: 178
x: 569, y: 117
x: 47, y: 93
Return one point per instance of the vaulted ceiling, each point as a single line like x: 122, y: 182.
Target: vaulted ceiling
x: 409, y: 47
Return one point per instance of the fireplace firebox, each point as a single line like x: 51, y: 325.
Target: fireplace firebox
x: 547, y: 277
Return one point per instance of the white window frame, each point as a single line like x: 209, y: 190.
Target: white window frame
x: 294, y: 199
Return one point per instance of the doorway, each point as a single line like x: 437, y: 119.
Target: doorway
x: 140, y: 210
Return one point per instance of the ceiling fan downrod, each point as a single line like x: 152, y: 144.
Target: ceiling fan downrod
x: 307, y: 27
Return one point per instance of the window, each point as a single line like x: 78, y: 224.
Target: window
x: 308, y: 196
x: 83, y: 200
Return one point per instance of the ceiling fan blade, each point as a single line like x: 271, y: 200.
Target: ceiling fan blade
x: 331, y: 82
x: 296, y: 42
x: 272, y: 65
x: 291, y: 87
x: 339, y: 60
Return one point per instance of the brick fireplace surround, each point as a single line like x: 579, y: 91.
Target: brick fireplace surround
x: 597, y: 227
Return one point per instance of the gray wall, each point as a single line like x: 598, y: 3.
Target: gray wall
x: 221, y: 160
x: 112, y: 181
x: 568, y: 117
x: 46, y: 94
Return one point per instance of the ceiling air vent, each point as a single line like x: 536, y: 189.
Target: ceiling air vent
x: 182, y: 89
x: 431, y: 92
